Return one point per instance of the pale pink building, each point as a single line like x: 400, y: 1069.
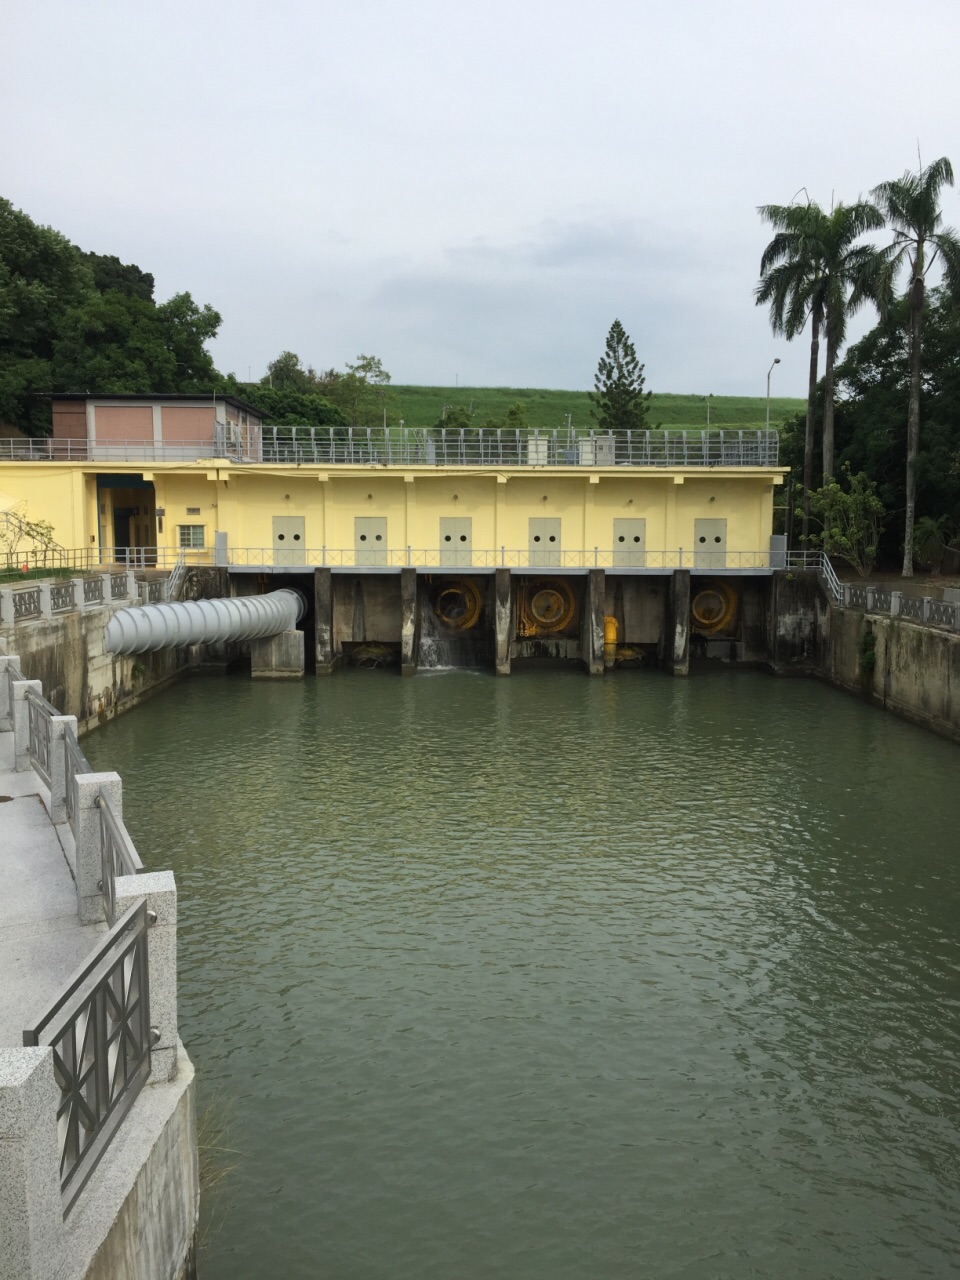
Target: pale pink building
x: 174, y: 427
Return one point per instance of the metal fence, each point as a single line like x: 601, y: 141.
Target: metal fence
x: 63, y: 597
x: 74, y: 763
x: 942, y: 614
x: 93, y: 590
x: 39, y: 713
x: 410, y: 446
x: 26, y: 604
x: 118, y: 857
x: 487, y: 559
x: 99, y: 1027
x: 497, y: 447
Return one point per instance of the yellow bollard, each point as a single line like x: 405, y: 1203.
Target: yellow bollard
x: 611, y: 632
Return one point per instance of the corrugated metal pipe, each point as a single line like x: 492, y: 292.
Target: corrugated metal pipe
x: 170, y: 626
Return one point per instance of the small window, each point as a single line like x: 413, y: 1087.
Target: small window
x: 191, y: 535
x: 193, y: 511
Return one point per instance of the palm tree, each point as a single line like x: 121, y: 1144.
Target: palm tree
x: 790, y: 271
x: 814, y: 269
x: 850, y: 276
x: 911, y: 206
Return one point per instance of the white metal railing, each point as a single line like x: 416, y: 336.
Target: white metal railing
x: 487, y: 559
x: 171, y: 588
x: 435, y: 446
x: 818, y: 562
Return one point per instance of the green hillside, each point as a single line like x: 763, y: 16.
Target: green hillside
x: 422, y: 406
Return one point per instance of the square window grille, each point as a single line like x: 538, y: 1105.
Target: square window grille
x: 191, y: 535
x: 193, y: 511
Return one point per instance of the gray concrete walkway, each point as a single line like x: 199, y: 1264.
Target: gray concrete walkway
x: 41, y: 939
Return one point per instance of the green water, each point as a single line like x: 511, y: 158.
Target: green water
x: 556, y: 977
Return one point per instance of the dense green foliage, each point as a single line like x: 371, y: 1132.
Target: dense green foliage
x: 618, y: 399
x: 873, y: 383
x: 815, y: 270
x: 72, y: 321
x: 911, y: 207
x: 850, y: 516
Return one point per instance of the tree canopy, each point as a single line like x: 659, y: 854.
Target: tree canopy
x: 873, y: 384
x: 75, y: 321
x: 618, y: 398
x: 911, y: 207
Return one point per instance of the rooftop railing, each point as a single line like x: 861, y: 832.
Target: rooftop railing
x: 439, y: 446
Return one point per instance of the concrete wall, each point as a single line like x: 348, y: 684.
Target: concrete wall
x: 899, y: 666
x: 79, y: 677
x: 798, y: 623
x: 151, y: 1231
x: 911, y: 670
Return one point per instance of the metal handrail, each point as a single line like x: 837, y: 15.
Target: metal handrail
x: 171, y: 588
x: 486, y: 559
x: 39, y: 712
x: 818, y: 561
x: 99, y: 1027
x: 118, y: 856
x: 74, y: 763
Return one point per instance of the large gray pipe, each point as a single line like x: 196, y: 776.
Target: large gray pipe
x: 169, y: 626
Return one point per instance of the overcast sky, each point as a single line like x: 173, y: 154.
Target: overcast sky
x: 471, y: 192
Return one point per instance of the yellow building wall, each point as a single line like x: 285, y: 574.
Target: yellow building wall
x: 242, y: 501
x: 53, y: 493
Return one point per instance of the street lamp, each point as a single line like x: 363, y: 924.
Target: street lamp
x: 769, y: 371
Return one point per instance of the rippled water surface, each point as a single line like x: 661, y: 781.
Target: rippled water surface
x: 555, y: 977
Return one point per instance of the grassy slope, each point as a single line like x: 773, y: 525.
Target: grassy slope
x: 422, y: 406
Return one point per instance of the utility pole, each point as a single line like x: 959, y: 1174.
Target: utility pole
x: 769, y: 371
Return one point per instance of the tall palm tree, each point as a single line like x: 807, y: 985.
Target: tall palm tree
x: 911, y: 206
x: 790, y: 272
x: 814, y: 269
x: 851, y: 274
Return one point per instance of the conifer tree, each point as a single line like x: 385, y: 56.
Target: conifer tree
x: 619, y: 401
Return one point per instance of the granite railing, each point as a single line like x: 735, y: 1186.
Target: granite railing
x: 899, y: 604
x: 46, y: 600
x: 112, y: 1028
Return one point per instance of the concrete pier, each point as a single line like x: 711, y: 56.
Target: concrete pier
x: 676, y: 631
x: 279, y: 657
x: 593, y: 611
x: 409, y: 622
x: 326, y: 659
x: 502, y: 621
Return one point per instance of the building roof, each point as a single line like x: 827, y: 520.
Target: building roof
x: 173, y: 397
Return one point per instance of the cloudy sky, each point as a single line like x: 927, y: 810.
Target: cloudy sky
x: 474, y: 191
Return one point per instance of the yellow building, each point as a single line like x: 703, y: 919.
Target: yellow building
x: 145, y: 480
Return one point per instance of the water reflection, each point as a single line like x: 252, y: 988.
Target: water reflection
x: 560, y: 977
